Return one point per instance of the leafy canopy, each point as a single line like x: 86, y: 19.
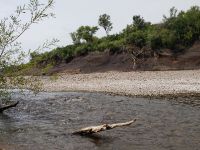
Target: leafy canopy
x: 84, y: 33
x: 104, y: 21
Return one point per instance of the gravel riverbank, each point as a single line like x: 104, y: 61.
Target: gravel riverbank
x: 148, y: 83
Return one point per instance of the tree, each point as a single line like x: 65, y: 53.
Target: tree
x: 137, y: 38
x: 139, y: 22
x: 34, y: 54
x: 104, y: 21
x: 172, y: 14
x: 163, y: 38
x: 185, y: 24
x: 75, y: 38
x: 136, y: 52
x: 11, y: 53
x: 85, y: 33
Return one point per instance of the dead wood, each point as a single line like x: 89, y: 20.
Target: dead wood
x: 3, y: 108
x: 95, y: 129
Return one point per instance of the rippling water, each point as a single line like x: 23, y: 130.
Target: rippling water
x: 45, y: 122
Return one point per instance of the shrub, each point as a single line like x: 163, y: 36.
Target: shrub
x: 138, y: 38
x: 83, y: 49
x: 186, y: 25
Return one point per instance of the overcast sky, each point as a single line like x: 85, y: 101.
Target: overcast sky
x: 70, y: 14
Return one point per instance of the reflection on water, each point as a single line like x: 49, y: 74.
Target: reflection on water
x: 45, y: 122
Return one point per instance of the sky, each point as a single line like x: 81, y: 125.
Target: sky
x: 70, y: 14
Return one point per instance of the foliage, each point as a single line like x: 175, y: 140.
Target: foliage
x: 104, y: 21
x: 162, y: 38
x: 75, y: 38
x: 84, y: 33
x: 46, y: 69
x: 186, y: 25
x: 34, y: 54
x: 139, y: 22
x: 11, y: 53
x: 137, y: 38
x: 178, y: 31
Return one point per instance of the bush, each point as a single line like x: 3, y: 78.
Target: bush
x: 116, y: 46
x: 156, y: 42
x: 162, y: 38
x: 83, y: 49
x: 138, y: 38
x: 186, y: 25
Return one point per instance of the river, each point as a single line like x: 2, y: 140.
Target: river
x: 46, y: 121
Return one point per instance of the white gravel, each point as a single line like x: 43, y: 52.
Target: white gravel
x: 128, y: 83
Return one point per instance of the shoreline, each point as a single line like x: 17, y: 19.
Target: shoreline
x: 147, y: 83
x: 171, y: 95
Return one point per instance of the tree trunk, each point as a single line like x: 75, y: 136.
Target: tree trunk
x: 95, y: 129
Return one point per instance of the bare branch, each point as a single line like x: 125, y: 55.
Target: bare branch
x: 11, y: 30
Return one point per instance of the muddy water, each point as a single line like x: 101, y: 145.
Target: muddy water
x: 45, y: 122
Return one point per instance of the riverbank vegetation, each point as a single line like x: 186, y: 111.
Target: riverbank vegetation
x: 176, y: 32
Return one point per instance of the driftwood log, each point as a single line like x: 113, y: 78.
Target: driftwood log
x: 95, y: 129
x: 3, y: 108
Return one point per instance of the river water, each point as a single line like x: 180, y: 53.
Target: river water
x: 46, y: 121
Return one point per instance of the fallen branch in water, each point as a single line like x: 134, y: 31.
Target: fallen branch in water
x: 95, y: 129
x: 2, y: 109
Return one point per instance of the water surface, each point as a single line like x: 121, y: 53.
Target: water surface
x: 45, y: 122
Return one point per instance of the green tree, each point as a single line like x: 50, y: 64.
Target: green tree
x: 163, y: 38
x: 186, y: 25
x: 139, y: 22
x: 85, y: 33
x: 172, y: 14
x: 34, y: 54
x: 11, y: 53
x: 75, y: 38
x: 137, y: 38
x: 104, y: 21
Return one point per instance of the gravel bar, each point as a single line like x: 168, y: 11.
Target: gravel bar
x: 147, y: 83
